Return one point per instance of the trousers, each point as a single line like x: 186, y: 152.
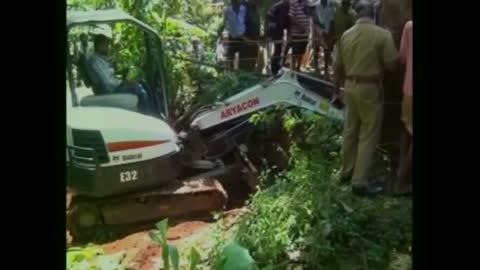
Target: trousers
x: 143, y: 104
x: 247, y: 54
x: 362, y: 128
x: 277, y: 55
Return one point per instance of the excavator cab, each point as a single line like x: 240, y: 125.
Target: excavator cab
x: 81, y: 27
x: 98, y: 122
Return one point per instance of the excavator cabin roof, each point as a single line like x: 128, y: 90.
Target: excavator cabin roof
x: 103, y: 16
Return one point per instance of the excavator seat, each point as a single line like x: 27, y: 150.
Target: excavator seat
x: 98, y: 98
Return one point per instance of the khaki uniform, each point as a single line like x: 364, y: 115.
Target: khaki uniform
x: 364, y: 52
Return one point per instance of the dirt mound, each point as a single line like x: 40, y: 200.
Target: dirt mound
x: 142, y: 253
x: 143, y: 261
x: 130, y: 242
x: 185, y: 229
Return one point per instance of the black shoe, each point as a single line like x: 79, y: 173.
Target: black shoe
x: 367, y: 190
x: 377, y: 184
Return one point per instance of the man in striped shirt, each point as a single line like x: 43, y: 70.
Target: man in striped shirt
x: 299, y: 31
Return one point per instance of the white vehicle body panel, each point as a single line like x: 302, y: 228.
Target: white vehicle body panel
x: 118, y: 125
x: 282, y: 91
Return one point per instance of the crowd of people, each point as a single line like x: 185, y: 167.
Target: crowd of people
x: 303, y: 27
x: 362, y: 52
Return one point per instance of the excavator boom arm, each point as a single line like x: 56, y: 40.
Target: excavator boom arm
x: 288, y: 89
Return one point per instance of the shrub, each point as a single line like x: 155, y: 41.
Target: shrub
x: 305, y: 215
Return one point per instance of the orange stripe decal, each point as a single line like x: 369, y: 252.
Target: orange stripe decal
x: 121, y: 146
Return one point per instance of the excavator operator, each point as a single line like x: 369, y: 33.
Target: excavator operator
x: 103, y: 74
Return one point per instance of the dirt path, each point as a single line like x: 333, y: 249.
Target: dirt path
x: 143, y: 254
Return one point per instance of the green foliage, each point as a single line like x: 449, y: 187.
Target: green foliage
x: 231, y: 256
x: 227, y: 85
x: 169, y: 252
x: 194, y: 259
x: 92, y: 258
x: 218, y: 239
x: 304, y: 215
x: 235, y: 257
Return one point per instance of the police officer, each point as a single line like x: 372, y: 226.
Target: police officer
x: 365, y: 51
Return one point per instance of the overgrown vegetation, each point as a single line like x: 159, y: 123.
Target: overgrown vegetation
x: 306, y: 216
x: 231, y: 256
x: 226, y: 85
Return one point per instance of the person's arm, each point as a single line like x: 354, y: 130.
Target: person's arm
x: 389, y: 53
x: 404, y: 43
x: 338, y: 70
x: 102, y: 72
x: 270, y: 24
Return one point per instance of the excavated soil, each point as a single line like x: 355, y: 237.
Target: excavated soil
x: 143, y: 254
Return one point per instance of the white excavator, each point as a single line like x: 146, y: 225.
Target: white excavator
x: 127, y: 166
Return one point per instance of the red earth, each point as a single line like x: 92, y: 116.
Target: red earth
x: 140, y: 250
